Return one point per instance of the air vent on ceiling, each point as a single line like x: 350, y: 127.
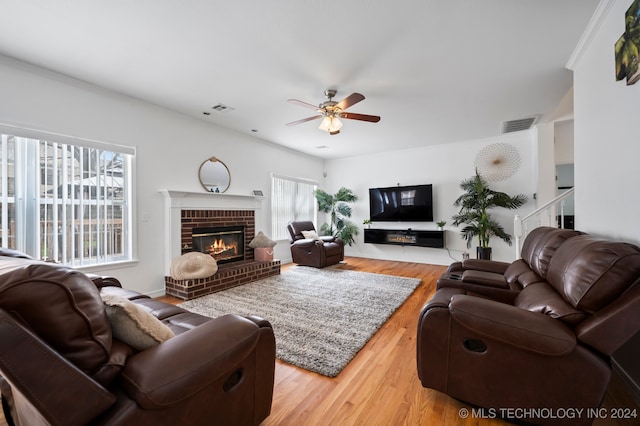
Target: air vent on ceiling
x: 519, y: 124
x: 222, y: 108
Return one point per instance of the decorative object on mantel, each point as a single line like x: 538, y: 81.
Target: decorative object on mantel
x: 627, y: 48
x: 214, y: 175
x: 262, y: 247
x: 441, y: 224
x: 193, y: 265
x: 498, y: 161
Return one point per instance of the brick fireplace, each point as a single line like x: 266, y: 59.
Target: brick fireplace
x: 210, y: 219
x: 202, y: 211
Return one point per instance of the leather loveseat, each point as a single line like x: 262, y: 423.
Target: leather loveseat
x: 316, y: 251
x: 60, y: 363
x: 532, y: 340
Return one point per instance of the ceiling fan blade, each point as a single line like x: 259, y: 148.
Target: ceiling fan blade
x: 361, y: 117
x: 301, y: 103
x: 352, y: 99
x: 304, y: 120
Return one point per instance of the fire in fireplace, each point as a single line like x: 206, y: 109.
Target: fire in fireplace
x: 224, y: 243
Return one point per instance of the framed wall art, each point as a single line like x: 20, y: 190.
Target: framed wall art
x: 628, y: 46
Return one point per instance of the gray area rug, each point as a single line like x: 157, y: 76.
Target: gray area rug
x: 321, y: 317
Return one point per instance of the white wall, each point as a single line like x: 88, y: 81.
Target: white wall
x: 170, y: 148
x: 564, y: 142
x: 607, y: 147
x: 546, y: 166
x: 443, y: 166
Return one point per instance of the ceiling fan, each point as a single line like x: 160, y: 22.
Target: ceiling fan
x: 332, y: 111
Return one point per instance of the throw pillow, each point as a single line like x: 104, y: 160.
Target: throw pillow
x: 193, y: 265
x: 133, y: 325
x: 261, y: 241
x: 313, y: 235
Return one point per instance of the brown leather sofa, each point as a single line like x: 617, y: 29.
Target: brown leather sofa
x: 316, y: 252
x: 61, y: 365
x: 533, y: 341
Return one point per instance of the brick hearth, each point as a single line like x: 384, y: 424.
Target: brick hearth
x: 229, y: 274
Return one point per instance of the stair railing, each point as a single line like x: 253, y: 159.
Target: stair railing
x: 546, y: 215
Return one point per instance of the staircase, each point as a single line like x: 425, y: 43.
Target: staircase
x: 550, y: 214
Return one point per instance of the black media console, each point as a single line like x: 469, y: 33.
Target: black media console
x: 405, y: 237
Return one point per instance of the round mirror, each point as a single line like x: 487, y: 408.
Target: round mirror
x: 214, y: 175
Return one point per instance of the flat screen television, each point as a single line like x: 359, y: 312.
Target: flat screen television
x: 401, y: 204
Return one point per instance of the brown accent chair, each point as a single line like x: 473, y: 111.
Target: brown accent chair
x: 541, y: 343
x: 318, y: 253
x: 61, y: 365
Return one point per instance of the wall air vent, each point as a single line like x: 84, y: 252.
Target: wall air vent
x: 519, y: 124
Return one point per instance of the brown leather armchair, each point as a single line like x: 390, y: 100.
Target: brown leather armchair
x: 316, y: 252
x: 502, y: 280
x: 546, y: 350
x: 61, y: 365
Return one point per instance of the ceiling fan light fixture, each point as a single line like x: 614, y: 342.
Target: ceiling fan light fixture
x: 336, y: 125
x: 331, y: 124
x: 325, y: 124
x: 330, y: 112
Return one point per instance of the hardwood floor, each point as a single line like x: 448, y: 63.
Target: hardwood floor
x: 381, y: 386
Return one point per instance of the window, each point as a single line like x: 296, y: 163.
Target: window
x: 291, y: 199
x: 408, y: 198
x: 65, y: 199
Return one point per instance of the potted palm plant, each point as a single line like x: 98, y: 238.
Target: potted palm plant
x: 475, y: 203
x: 340, y: 211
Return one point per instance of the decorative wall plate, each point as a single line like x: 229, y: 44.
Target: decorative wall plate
x: 497, y: 162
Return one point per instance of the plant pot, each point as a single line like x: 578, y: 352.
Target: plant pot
x: 483, y: 253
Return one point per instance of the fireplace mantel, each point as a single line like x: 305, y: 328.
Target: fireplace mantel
x: 176, y: 201
x: 202, y: 200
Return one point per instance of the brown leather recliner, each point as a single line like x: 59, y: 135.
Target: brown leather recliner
x: 543, y: 355
x: 317, y: 252
x: 61, y: 365
x: 502, y: 280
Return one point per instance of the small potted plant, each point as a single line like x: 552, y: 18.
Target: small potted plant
x: 441, y: 224
x: 367, y: 223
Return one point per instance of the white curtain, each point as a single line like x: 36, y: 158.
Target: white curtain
x: 291, y: 199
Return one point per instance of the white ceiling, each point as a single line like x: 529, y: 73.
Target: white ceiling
x: 436, y: 71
